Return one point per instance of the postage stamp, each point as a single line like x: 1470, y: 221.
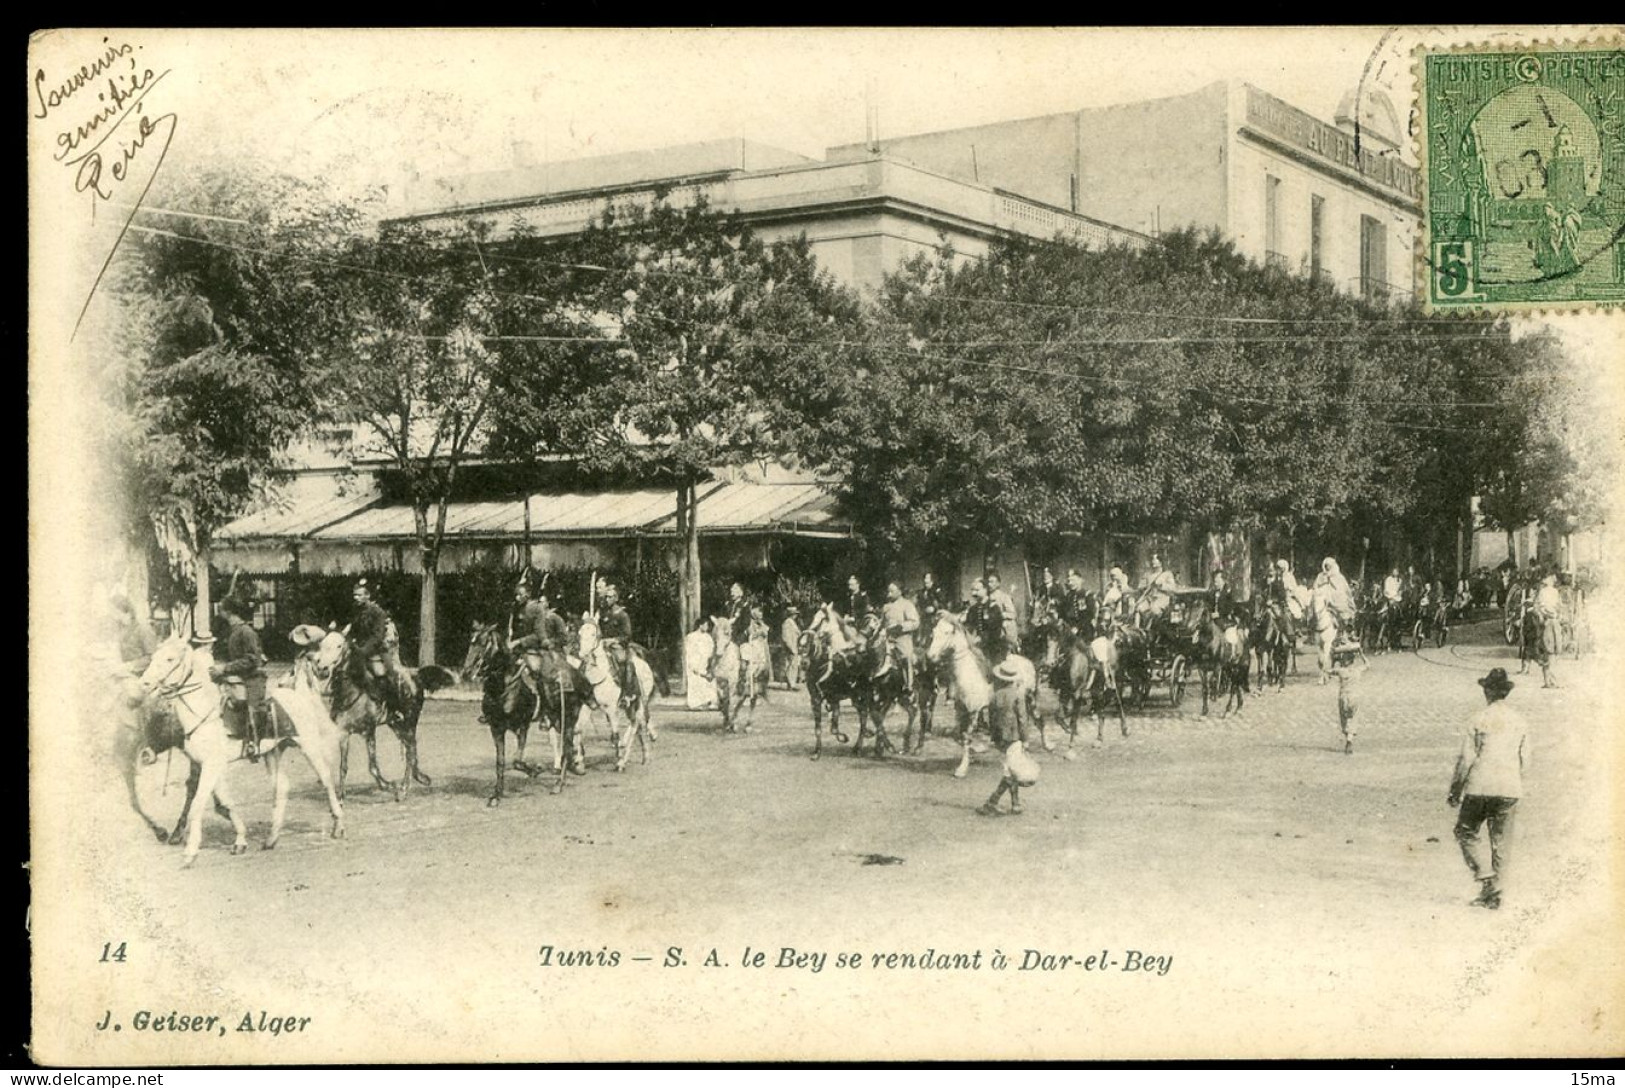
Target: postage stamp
x: 1524, y: 178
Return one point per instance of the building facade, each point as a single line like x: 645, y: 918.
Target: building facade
x: 863, y: 216
x: 1331, y: 200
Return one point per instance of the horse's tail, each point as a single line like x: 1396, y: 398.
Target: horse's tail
x: 435, y: 677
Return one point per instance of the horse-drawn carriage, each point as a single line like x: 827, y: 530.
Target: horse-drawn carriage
x: 1164, y: 657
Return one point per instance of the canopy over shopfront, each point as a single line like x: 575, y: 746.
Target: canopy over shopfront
x: 358, y: 531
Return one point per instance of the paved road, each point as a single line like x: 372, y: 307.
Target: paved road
x: 1316, y: 895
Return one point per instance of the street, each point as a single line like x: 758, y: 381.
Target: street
x: 1244, y: 862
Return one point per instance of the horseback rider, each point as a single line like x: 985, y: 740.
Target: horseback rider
x: 1221, y: 599
x: 1046, y: 598
x: 535, y: 626
x: 1283, y: 594
x: 1075, y: 608
x: 615, y: 634
x: 858, y: 608
x: 532, y: 628
x: 986, y: 619
x: 844, y: 646
x: 738, y: 614
x: 241, y: 676
x: 901, y: 620
x: 996, y: 595
x: 367, y: 631
x: 931, y: 598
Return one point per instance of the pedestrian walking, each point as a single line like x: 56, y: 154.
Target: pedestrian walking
x: 790, y: 639
x: 1487, y: 783
x: 1007, y: 719
x: 1348, y: 665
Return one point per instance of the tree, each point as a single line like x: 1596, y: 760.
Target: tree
x: 1048, y: 388
x: 203, y: 345
x: 429, y: 326
x: 1550, y: 455
x: 711, y: 326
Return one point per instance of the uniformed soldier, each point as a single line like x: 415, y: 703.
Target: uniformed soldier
x: 858, y: 607
x: 1076, y: 607
x: 1010, y: 633
x: 615, y: 631
x: 241, y: 675
x: 532, y: 628
x: 367, y: 630
x: 930, y: 600
x: 990, y: 623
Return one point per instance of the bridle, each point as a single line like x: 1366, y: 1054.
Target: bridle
x: 167, y: 687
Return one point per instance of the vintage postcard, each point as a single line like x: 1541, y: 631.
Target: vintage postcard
x: 824, y: 544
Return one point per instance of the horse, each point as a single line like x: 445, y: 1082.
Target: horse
x: 600, y: 672
x: 1083, y: 670
x: 734, y: 668
x: 877, y: 694
x: 925, y: 694
x: 972, y: 678
x: 1324, y: 621
x: 833, y: 676
x: 179, y: 674
x: 1270, y: 646
x: 358, y: 711
x: 509, y: 705
x: 148, y: 729
x: 1223, y: 661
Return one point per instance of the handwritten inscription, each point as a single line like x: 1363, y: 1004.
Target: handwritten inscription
x: 105, y: 134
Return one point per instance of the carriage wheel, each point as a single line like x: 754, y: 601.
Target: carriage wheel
x: 1418, y: 636
x: 1178, y: 673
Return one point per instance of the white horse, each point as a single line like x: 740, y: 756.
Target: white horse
x: 972, y: 684
x: 1324, y: 620
x: 179, y: 673
x: 604, y: 677
x: 739, y: 672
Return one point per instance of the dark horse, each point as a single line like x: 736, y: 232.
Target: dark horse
x: 1270, y: 645
x: 508, y: 705
x: 841, y: 675
x: 1086, y: 672
x: 1223, y: 659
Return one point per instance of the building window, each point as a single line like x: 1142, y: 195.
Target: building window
x: 1317, y: 225
x: 1273, y: 256
x: 1373, y: 259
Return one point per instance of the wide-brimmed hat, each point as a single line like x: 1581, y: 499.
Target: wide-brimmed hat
x: 1497, y: 681
x: 1006, y: 673
x: 307, y: 634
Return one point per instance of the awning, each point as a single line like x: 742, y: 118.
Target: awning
x: 297, y: 516
x: 724, y: 508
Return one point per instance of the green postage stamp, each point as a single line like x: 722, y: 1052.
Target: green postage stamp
x: 1523, y: 157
